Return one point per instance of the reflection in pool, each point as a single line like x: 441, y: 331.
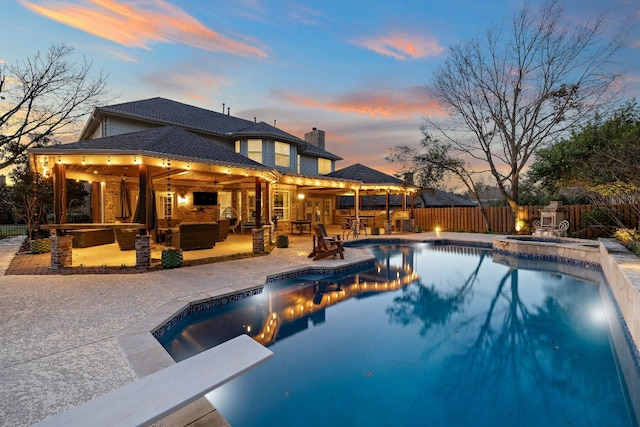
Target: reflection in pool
x: 431, y: 336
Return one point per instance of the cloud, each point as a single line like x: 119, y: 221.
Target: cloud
x: 141, y: 23
x: 123, y: 56
x: 378, y: 103
x: 306, y: 15
x: 192, y: 83
x: 402, y: 46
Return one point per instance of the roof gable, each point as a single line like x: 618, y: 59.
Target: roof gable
x: 365, y: 174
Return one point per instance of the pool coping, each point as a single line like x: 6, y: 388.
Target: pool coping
x: 146, y: 355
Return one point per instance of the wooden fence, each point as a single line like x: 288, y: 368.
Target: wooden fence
x: 502, y: 220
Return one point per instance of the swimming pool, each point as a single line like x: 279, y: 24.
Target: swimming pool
x: 430, y: 336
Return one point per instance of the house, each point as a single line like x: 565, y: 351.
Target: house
x: 200, y: 165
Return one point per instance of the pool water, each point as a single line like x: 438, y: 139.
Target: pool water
x: 433, y: 336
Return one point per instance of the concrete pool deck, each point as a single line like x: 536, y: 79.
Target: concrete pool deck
x: 66, y: 339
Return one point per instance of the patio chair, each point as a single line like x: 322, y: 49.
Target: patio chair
x: 325, y: 236
x: 323, y: 249
x: 234, y: 224
x: 232, y: 215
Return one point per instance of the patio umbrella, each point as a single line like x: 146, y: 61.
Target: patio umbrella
x: 125, y: 201
x: 150, y: 218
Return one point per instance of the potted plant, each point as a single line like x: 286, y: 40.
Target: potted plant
x: 282, y: 241
x: 171, y: 258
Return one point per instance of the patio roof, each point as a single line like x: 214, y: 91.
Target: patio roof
x: 159, y: 147
x: 371, y: 179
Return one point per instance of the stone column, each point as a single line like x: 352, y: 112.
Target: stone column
x: 388, y: 227
x: 258, y: 240
x: 268, y: 235
x: 61, y: 252
x: 143, y: 251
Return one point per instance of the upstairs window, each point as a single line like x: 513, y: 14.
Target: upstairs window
x: 283, y: 154
x: 237, y: 146
x: 254, y: 150
x: 324, y: 166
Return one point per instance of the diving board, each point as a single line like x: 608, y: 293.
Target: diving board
x: 155, y: 396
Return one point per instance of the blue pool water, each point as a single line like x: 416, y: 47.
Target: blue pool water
x: 433, y: 336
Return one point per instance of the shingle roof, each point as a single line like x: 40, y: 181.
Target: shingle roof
x: 365, y: 174
x: 317, y: 151
x: 168, y: 112
x: 167, y: 140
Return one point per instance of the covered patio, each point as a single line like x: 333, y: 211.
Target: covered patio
x: 159, y: 180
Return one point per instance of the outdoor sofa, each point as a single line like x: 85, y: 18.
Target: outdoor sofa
x: 196, y: 235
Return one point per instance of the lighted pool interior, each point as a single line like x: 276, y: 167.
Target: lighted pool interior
x: 433, y: 335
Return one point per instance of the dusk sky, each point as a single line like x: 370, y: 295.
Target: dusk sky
x: 359, y: 70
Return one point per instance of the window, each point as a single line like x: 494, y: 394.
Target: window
x: 324, y: 166
x: 282, y: 205
x: 164, y: 204
x: 251, y: 206
x: 283, y: 154
x: 254, y: 150
x: 298, y: 169
x: 237, y: 145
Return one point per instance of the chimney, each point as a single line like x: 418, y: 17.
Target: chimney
x: 315, y: 137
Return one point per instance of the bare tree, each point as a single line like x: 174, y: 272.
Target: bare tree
x: 519, y: 88
x: 431, y: 163
x: 41, y: 97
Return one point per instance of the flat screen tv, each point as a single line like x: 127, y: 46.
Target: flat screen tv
x: 205, y: 198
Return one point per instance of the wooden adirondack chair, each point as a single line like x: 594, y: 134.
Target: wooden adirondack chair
x: 324, y: 249
x: 325, y: 236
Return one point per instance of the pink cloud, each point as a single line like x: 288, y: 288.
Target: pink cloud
x: 187, y: 82
x: 141, y: 23
x: 123, y: 56
x: 402, y: 46
x: 379, y: 103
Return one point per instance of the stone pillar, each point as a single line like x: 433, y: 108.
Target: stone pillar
x: 388, y: 227
x: 268, y: 235
x: 61, y: 252
x: 258, y: 240
x: 143, y: 251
